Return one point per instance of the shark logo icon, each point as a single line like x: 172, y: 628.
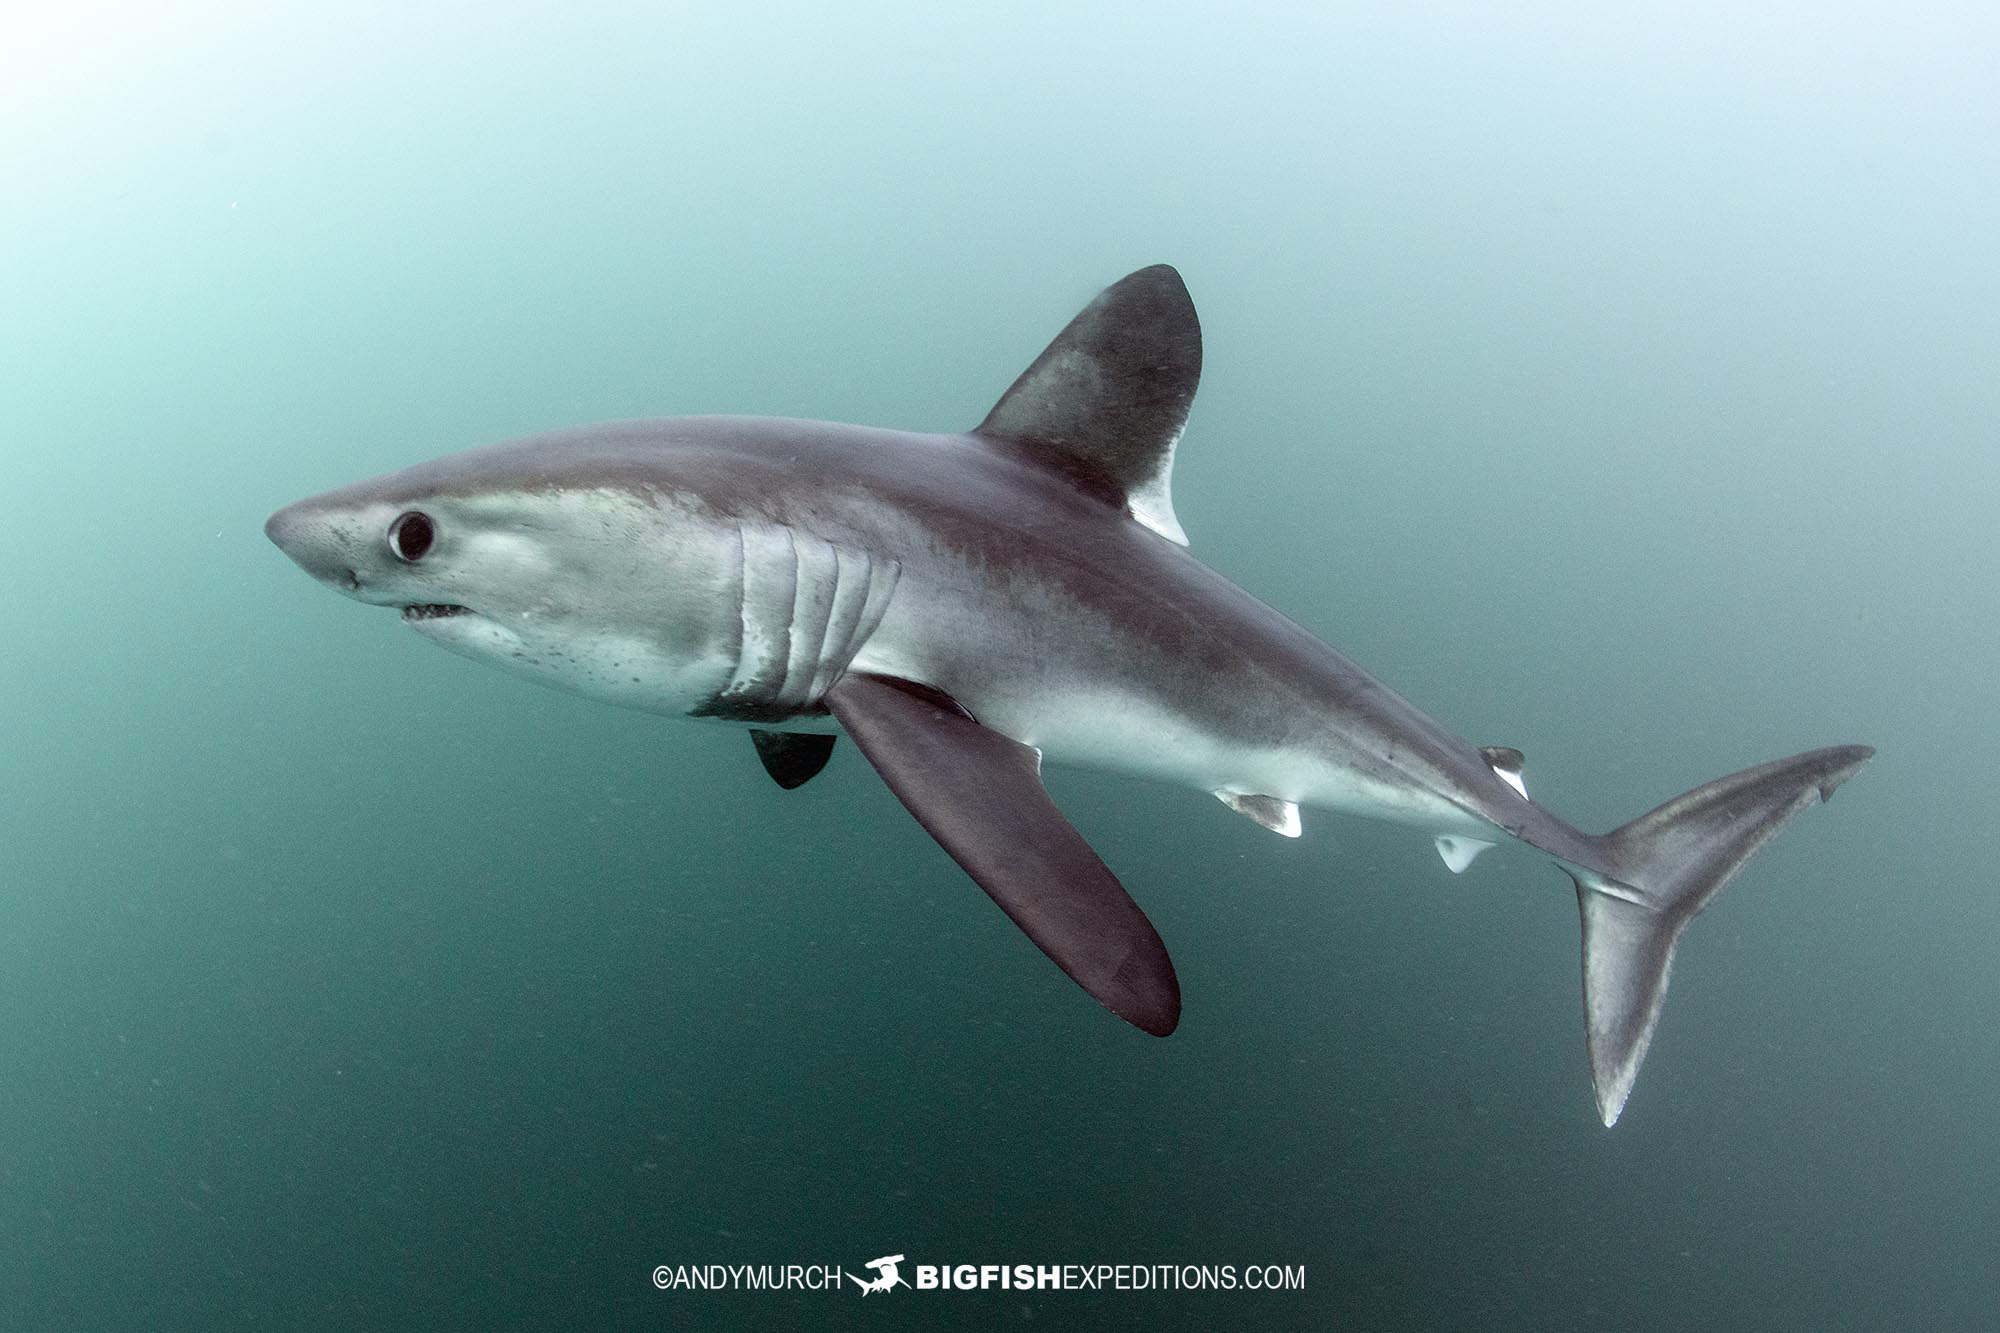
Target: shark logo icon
x: 886, y: 1278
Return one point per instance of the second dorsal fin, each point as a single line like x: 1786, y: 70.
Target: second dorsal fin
x: 1506, y: 761
x: 1105, y: 402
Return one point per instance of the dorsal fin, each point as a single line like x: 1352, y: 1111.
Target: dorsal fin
x: 1105, y: 402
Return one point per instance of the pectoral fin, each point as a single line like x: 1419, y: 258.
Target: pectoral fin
x: 792, y: 758
x: 980, y: 795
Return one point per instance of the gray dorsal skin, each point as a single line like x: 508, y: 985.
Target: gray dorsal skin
x: 792, y: 758
x: 981, y: 796
x: 774, y: 574
x: 1105, y: 403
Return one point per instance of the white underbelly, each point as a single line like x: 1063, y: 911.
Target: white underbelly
x: 1112, y: 727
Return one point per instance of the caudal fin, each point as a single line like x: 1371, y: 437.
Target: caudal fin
x: 1654, y: 875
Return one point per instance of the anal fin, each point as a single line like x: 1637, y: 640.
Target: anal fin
x: 1280, y: 817
x: 1459, y: 851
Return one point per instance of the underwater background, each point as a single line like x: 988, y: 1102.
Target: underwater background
x: 1616, y: 385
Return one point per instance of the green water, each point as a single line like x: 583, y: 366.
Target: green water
x: 1619, y: 388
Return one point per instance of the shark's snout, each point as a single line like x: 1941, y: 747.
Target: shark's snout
x: 306, y: 534
x: 283, y: 528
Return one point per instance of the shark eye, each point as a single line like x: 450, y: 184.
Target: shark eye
x: 411, y: 535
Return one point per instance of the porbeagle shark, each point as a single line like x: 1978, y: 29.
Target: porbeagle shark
x: 964, y: 605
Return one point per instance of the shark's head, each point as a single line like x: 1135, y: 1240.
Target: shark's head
x: 623, y: 592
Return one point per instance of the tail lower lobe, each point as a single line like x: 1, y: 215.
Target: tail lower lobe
x: 1654, y: 875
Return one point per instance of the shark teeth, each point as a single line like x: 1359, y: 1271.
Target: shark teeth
x: 432, y: 611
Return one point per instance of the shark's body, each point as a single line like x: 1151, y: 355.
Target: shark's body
x: 963, y: 605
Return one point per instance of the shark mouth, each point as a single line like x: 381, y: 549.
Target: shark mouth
x: 432, y: 611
